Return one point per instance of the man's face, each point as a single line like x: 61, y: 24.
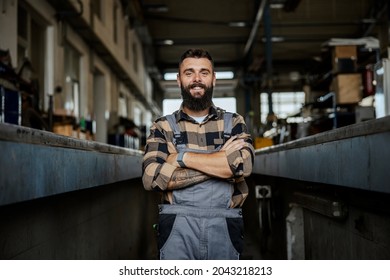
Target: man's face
x: 196, y: 80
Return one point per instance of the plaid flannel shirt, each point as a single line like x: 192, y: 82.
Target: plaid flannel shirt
x: 207, y: 135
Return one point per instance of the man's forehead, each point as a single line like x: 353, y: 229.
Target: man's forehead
x: 196, y: 63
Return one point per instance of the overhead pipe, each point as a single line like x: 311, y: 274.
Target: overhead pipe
x: 268, y: 54
x: 264, y: 9
x: 247, y: 49
x: 377, y: 15
x: 255, y: 27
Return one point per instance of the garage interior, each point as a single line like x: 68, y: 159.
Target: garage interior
x: 311, y: 78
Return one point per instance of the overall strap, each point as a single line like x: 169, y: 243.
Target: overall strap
x: 177, y: 138
x: 228, y: 125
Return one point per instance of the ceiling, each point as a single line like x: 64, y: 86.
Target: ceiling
x: 236, y: 32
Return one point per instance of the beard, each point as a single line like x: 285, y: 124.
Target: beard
x: 200, y: 103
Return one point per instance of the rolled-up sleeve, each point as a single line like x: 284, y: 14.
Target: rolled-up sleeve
x: 156, y: 171
x: 241, y: 161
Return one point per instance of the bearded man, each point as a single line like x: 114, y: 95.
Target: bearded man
x: 198, y: 158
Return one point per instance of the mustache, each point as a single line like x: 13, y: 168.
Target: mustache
x: 197, y: 85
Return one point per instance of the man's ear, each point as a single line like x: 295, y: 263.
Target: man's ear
x: 214, y: 79
x: 178, y: 80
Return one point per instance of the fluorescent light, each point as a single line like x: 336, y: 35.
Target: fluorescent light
x: 276, y: 5
x: 167, y: 42
x: 225, y: 75
x: 237, y: 24
x: 170, y: 76
x: 221, y: 75
x: 274, y: 39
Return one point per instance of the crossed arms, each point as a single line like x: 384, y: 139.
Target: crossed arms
x: 201, y: 167
x: 161, y: 171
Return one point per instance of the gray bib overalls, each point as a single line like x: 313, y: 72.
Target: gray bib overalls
x: 199, y: 224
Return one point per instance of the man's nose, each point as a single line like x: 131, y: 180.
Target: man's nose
x: 197, y: 77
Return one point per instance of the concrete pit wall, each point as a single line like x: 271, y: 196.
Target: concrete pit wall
x: 104, y: 222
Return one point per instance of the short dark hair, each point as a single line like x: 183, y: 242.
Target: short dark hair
x: 196, y: 53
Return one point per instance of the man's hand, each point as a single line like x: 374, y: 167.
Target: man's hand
x: 234, y: 144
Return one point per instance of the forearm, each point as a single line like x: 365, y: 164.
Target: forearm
x: 213, y: 164
x: 225, y: 164
x: 184, y: 177
x: 156, y: 176
x: 169, y: 176
x: 241, y: 162
x: 233, y: 160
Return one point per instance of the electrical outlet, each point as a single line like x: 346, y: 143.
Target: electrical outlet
x: 263, y: 191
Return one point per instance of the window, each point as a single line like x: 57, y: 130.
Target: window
x: 31, y: 52
x: 122, y: 106
x: 72, y: 84
x: 137, y: 116
x: 283, y: 104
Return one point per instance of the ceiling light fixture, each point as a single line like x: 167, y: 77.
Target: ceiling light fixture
x: 170, y: 76
x: 237, y: 24
x: 166, y: 42
x: 276, y: 6
x: 224, y: 75
x: 274, y: 39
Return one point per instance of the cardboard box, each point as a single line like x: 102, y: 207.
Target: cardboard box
x: 63, y: 129
x: 349, y: 51
x: 344, y: 59
x: 344, y: 65
x: 261, y: 142
x: 348, y: 88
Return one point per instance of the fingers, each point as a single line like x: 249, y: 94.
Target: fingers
x: 230, y: 140
x: 234, y: 144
